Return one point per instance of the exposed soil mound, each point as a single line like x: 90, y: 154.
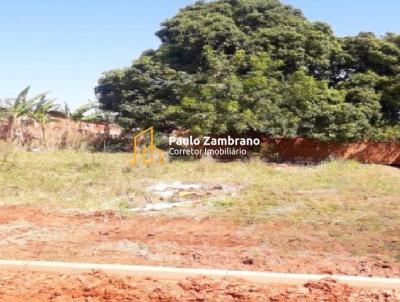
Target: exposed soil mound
x: 18, y: 286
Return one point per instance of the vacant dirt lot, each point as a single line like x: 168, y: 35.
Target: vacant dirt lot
x: 333, y: 208
x: 29, y: 233
x: 334, y: 218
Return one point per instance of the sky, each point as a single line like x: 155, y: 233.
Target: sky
x: 63, y: 46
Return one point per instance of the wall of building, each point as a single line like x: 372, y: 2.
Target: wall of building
x: 309, y: 150
x: 63, y: 132
x: 60, y: 132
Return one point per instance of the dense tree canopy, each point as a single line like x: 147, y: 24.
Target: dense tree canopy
x: 258, y: 66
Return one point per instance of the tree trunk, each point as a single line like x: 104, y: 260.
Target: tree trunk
x: 43, y: 136
x: 106, y: 132
x: 65, y: 134
x: 10, y: 128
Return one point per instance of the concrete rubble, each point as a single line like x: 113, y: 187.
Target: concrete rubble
x: 179, y: 194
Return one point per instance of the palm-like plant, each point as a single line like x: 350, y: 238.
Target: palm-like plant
x: 20, y: 107
x: 79, y: 114
x: 89, y: 112
x: 66, y: 111
x: 99, y: 115
x: 41, y: 114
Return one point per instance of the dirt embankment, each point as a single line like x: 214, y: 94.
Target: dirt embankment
x: 37, y: 234
x: 311, y: 150
x: 22, y: 286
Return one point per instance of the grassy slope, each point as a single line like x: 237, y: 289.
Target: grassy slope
x: 343, y: 199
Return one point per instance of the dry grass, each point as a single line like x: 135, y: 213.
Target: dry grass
x: 343, y: 197
x: 98, y: 180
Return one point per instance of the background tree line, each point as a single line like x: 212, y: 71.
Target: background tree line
x: 248, y: 67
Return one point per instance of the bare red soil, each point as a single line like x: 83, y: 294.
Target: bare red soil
x: 22, y: 286
x: 30, y: 233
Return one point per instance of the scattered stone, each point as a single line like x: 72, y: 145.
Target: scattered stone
x: 248, y: 261
x: 177, y: 194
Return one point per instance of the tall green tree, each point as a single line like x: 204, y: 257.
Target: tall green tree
x: 247, y: 67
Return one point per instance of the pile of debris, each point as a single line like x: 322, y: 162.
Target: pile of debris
x: 178, y: 194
